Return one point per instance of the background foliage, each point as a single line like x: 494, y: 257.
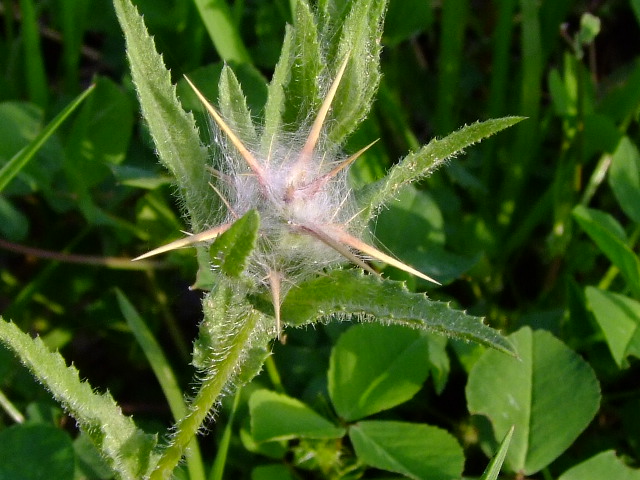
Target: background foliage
x: 536, y: 229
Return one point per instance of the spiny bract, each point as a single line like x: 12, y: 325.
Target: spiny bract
x: 308, y: 216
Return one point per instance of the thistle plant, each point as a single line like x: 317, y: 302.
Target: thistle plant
x: 273, y: 219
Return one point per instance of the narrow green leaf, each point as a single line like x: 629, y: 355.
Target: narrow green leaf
x: 350, y: 294
x: 418, y: 451
x: 304, y: 94
x: 376, y: 367
x: 127, y: 448
x: 229, y: 332
x: 276, y: 100
x: 224, y: 34
x: 36, y: 452
x: 424, y: 162
x: 20, y: 159
x: 159, y: 364
x: 360, y: 36
x: 493, y: 469
x: 624, y: 178
x: 233, y: 106
x: 602, y: 465
x: 164, y: 373
x: 32, y: 55
x: 610, y: 238
x: 619, y: 318
x: 231, y: 250
x: 275, y: 416
x: 550, y: 394
x: 173, y: 130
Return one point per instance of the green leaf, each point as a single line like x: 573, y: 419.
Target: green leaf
x: 100, y: 135
x: 376, y: 367
x: 624, y: 178
x: 610, y: 238
x: 425, y: 161
x: 224, y: 34
x: 275, y: 416
x: 549, y: 394
x: 619, y: 318
x: 127, y: 448
x: 164, y: 373
x: 276, y: 99
x: 36, y: 452
x: 173, y: 130
x: 232, y: 249
x: 272, y: 472
x: 418, y: 451
x: 493, y: 469
x: 302, y: 91
x: 351, y: 294
x: 233, y: 106
x: 360, y: 36
x: 20, y: 159
x: 602, y: 465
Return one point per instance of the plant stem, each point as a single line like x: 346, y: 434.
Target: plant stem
x: 209, y: 392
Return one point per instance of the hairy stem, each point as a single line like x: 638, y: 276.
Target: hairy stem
x: 209, y: 392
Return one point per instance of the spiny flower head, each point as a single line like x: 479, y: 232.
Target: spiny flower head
x: 308, y: 216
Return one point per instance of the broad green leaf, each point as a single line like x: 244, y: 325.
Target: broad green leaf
x: 233, y: 107
x: 376, y: 367
x: 619, y: 318
x: 624, y: 178
x: 232, y: 249
x: 20, y: 159
x: 350, y: 294
x: 224, y: 34
x: 549, y: 394
x: 127, y: 448
x: 36, y: 452
x: 493, y: 469
x: 275, y: 416
x: 418, y: 451
x: 601, y: 466
x: 609, y: 236
x: 425, y: 161
x: 173, y: 130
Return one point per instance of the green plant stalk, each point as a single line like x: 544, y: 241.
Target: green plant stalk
x: 10, y: 408
x: 210, y: 390
x: 454, y: 21
x: 218, y: 21
x: 530, y: 91
x: 34, y: 62
x: 164, y: 373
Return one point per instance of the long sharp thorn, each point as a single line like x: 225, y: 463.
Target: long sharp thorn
x: 274, y: 282
x: 185, y: 242
x: 318, y: 183
x: 316, y: 128
x: 367, y: 249
x: 339, y: 247
x: 246, y: 154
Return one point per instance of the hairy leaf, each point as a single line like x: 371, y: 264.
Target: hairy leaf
x: 231, y: 250
x: 128, y: 449
x: 351, y: 294
x: 173, y: 130
x: 428, y: 159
